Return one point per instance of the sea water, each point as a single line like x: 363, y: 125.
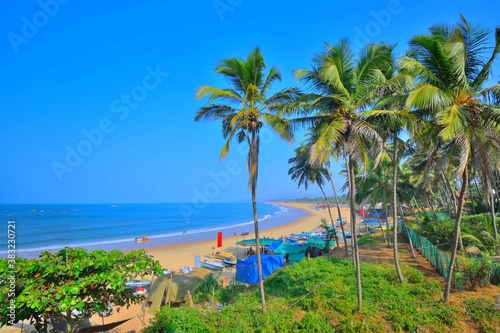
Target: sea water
x: 108, y: 226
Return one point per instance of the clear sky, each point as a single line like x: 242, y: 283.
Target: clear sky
x: 114, y: 82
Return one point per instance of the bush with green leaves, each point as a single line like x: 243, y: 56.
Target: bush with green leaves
x: 72, y: 279
x: 207, y: 286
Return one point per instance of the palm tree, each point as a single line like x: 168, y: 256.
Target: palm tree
x: 244, y: 108
x: 340, y: 85
x: 304, y: 171
x: 450, y: 68
x: 390, y: 118
x: 323, y: 158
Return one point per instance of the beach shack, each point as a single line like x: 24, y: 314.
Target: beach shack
x: 247, y: 271
x: 173, y: 288
x: 295, y: 252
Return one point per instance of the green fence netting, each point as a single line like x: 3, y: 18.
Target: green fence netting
x: 437, y: 258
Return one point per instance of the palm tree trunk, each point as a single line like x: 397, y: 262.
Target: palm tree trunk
x: 408, y: 233
x: 446, y: 202
x: 381, y: 229
x: 471, y: 198
x: 495, y: 184
x: 394, y: 207
x: 329, y: 212
x: 354, y: 232
x: 384, y: 214
x: 477, y: 187
x: 493, y: 217
x: 351, y: 202
x: 456, y: 236
x: 364, y: 220
x: 431, y: 207
x: 340, y: 215
x: 450, y: 192
x: 254, y: 169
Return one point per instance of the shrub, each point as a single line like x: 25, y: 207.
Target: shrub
x: 203, y: 291
x: 475, y: 272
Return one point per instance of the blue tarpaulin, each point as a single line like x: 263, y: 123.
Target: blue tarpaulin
x: 247, y: 271
x: 273, y: 246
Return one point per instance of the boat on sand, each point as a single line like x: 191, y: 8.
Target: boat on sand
x: 216, y: 266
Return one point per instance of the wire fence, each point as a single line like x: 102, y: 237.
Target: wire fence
x: 436, y: 257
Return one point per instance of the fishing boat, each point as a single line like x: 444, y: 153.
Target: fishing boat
x: 229, y: 263
x: 138, y: 283
x: 225, y: 256
x: 245, y: 233
x: 142, y: 239
x: 216, y: 266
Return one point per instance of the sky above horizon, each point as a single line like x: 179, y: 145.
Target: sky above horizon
x: 98, y: 99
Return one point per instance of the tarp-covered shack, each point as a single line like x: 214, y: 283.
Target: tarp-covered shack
x: 247, y: 271
x: 321, y: 243
x: 174, y: 287
x: 295, y: 252
x: 262, y: 242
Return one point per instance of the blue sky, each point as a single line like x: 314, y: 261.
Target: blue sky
x: 115, y: 82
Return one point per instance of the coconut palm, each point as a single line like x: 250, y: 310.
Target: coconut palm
x: 341, y: 85
x: 451, y: 69
x: 390, y: 118
x: 323, y: 158
x: 243, y: 109
x: 305, y: 172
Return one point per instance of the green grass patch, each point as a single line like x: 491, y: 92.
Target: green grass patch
x: 369, y: 239
x: 331, y: 305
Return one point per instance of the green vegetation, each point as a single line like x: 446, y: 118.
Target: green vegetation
x: 331, y: 303
x: 368, y: 239
x: 72, y: 279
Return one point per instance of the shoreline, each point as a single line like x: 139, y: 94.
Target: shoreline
x: 175, y: 256
x: 176, y: 238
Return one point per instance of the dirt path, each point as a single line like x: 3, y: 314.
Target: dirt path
x: 379, y: 252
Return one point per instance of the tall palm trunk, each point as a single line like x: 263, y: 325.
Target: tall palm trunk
x: 474, y: 180
x: 340, y: 215
x: 449, y: 190
x: 382, y: 229
x: 354, y: 232
x: 384, y: 213
x: 329, y: 212
x: 254, y: 148
x: 364, y: 220
x: 407, y: 232
x: 394, y: 207
x: 493, y: 217
x: 471, y: 198
x: 456, y: 236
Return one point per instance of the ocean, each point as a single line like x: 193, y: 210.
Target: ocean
x: 106, y: 226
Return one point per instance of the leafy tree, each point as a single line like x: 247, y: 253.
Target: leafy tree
x: 248, y: 108
x: 305, y: 172
x: 72, y: 279
x: 341, y: 84
x: 451, y: 69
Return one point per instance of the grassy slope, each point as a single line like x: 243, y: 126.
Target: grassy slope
x: 388, y: 306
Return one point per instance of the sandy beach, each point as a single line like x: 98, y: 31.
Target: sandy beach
x: 174, y: 257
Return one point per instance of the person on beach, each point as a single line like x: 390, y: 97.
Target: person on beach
x: 213, y: 251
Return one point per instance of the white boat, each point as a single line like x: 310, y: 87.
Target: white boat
x: 212, y: 265
x: 138, y: 283
x: 228, y: 263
